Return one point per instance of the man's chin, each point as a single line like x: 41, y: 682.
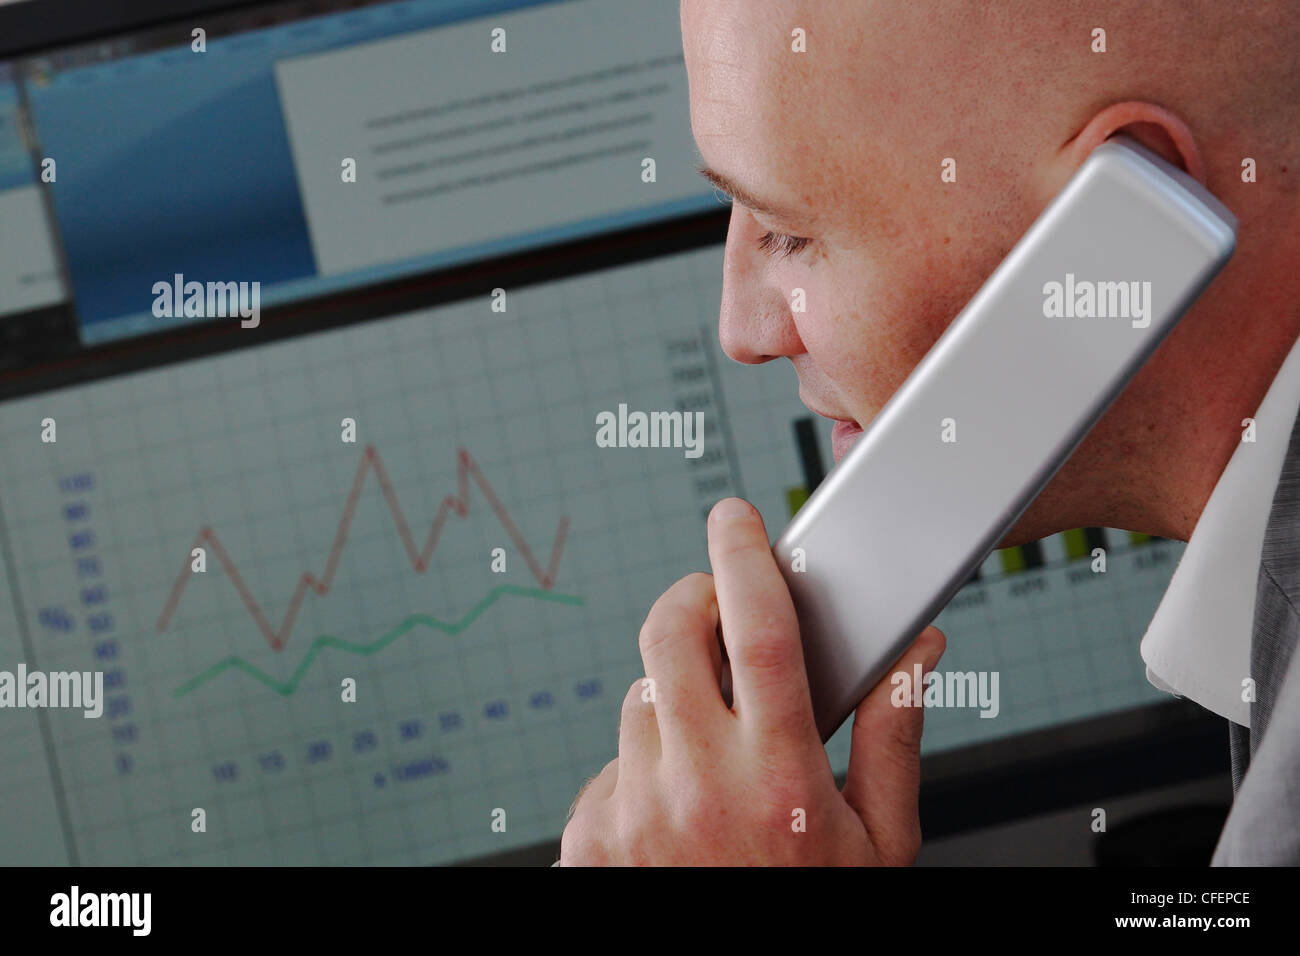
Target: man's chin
x: 843, y: 437
x: 1036, y: 523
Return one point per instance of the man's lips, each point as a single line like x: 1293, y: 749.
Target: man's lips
x: 843, y: 435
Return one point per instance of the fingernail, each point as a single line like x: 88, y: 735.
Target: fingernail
x: 731, y: 508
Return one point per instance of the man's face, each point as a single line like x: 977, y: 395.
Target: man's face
x: 846, y: 143
x: 848, y: 149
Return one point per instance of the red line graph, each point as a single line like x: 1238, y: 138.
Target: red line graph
x: 466, y: 468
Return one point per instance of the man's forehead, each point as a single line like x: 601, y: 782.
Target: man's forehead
x: 745, y: 51
x: 754, y: 106
x: 849, y: 61
x: 749, y: 79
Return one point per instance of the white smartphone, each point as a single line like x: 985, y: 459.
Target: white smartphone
x: 992, y: 411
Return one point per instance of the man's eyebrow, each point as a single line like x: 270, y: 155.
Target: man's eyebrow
x: 743, y: 196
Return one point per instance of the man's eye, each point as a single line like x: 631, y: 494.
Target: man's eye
x: 778, y: 245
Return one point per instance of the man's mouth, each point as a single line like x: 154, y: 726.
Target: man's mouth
x: 843, y: 435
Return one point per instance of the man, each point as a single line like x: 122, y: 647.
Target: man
x: 833, y: 157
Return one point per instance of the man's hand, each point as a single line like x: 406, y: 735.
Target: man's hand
x: 699, y: 782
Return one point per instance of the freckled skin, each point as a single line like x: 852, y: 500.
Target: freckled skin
x: 855, y: 131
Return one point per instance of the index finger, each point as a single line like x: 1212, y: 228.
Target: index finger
x: 759, y: 626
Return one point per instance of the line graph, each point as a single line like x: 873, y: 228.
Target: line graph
x: 478, y: 689
x: 330, y: 642
x: 466, y: 469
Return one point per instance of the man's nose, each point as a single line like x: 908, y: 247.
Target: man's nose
x: 755, y: 324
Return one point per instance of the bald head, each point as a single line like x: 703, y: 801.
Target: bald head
x: 840, y: 142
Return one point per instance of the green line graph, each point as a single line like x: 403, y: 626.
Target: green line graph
x: 324, y: 641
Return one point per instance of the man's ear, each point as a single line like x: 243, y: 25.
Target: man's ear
x: 1159, y: 130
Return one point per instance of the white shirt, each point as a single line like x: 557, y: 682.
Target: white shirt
x: 1198, y: 643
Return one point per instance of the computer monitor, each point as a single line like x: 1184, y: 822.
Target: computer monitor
x: 362, y: 584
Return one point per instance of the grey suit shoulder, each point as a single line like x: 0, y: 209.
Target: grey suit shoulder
x: 1263, y: 827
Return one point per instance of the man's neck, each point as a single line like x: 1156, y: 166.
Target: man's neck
x: 1215, y: 438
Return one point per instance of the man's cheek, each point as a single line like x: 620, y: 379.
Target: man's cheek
x: 834, y: 318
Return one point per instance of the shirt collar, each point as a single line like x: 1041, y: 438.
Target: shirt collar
x: 1198, y: 642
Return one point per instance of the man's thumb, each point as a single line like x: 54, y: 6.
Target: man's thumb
x: 885, y: 755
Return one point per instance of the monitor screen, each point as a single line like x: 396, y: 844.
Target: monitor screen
x: 355, y: 590
x: 321, y: 153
